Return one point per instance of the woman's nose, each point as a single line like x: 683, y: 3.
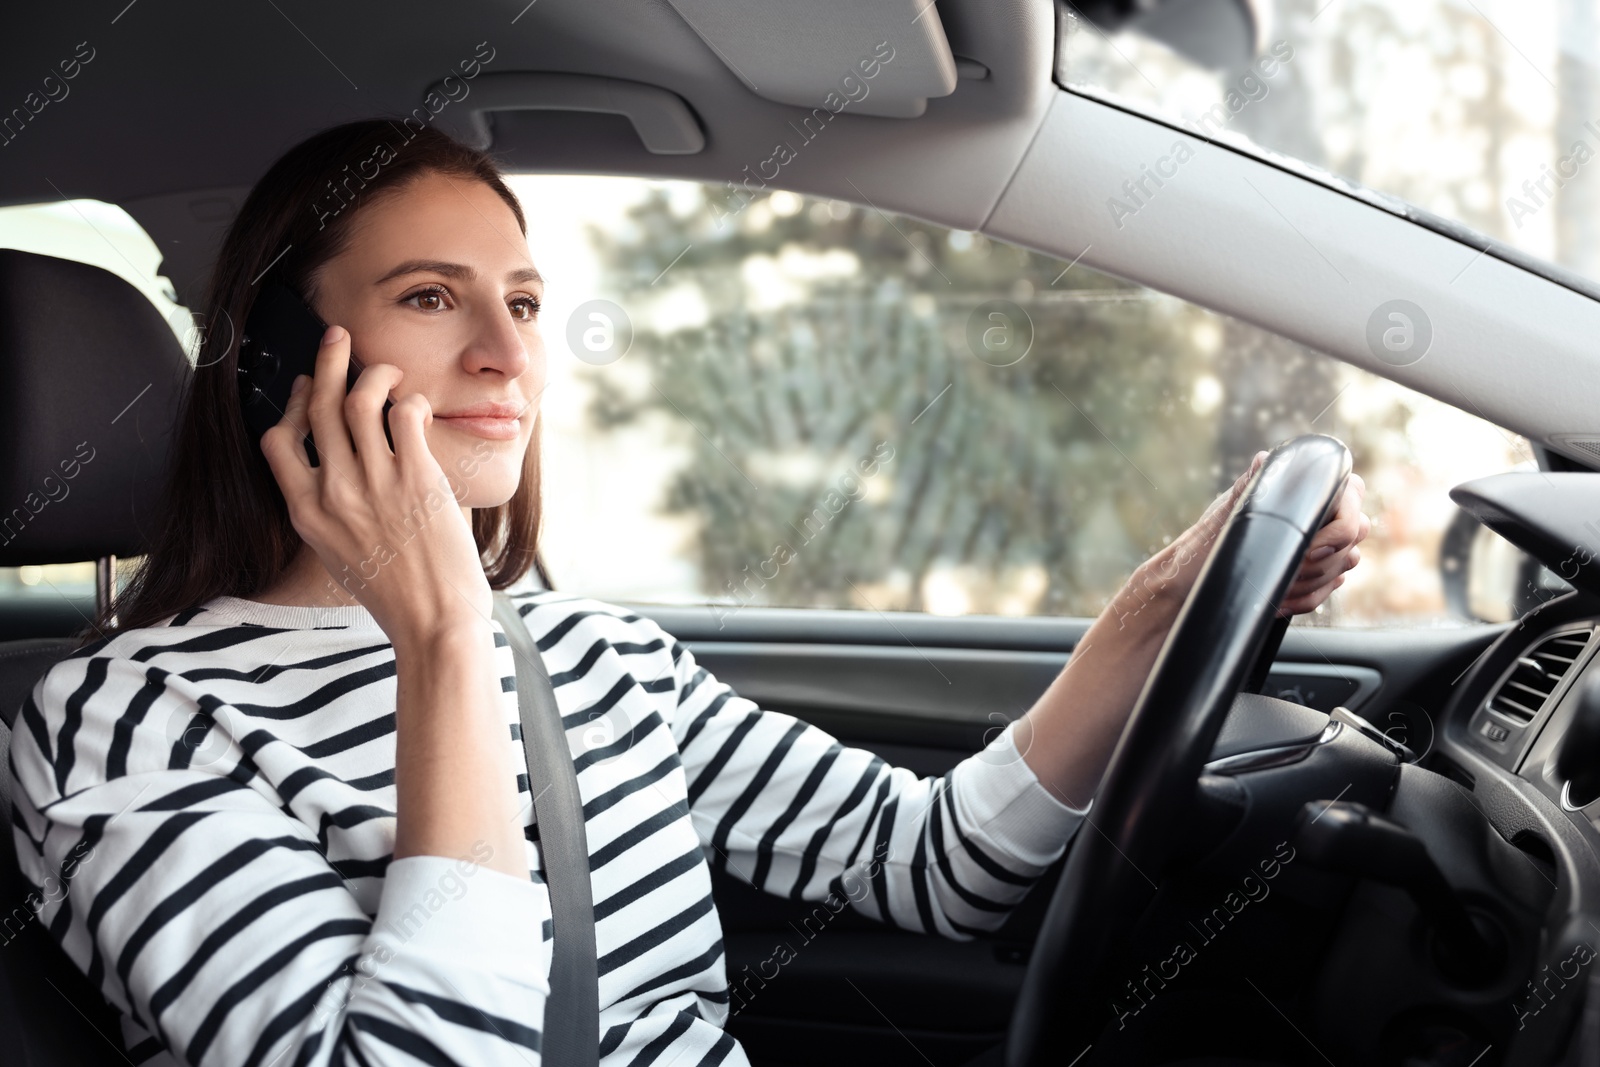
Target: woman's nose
x: 502, y: 343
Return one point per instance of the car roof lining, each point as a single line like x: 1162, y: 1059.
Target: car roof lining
x: 170, y: 114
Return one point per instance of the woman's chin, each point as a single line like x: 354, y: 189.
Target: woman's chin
x: 488, y: 487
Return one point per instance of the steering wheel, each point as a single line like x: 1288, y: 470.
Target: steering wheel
x: 1220, y: 633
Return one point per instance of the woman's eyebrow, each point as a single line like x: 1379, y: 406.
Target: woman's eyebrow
x: 458, y: 270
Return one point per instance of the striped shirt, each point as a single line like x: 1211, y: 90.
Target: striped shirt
x: 205, y: 809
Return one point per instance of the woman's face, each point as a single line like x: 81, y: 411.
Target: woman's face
x: 437, y: 279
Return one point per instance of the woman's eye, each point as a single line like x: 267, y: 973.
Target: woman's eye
x: 524, y: 308
x: 428, y: 299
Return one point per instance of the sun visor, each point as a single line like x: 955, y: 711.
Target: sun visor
x: 863, y: 57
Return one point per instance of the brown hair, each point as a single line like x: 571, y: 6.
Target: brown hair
x: 225, y: 527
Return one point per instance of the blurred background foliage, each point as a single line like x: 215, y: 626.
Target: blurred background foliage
x: 1028, y: 488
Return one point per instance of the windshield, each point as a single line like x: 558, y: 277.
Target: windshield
x: 1483, y: 112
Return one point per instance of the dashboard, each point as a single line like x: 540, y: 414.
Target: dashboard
x: 1521, y: 732
x: 1538, y: 716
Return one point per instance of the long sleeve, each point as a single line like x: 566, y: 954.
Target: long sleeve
x: 212, y: 918
x: 785, y: 806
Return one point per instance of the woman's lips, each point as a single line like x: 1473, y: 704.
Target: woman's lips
x: 483, y: 426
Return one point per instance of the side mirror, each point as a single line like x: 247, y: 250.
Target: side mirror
x: 1212, y: 33
x: 1488, y: 579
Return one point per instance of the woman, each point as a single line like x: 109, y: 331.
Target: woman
x: 282, y: 787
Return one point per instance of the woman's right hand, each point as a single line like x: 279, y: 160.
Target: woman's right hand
x: 386, y: 525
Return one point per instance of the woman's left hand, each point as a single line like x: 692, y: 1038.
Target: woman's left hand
x: 1074, y: 726
x: 1333, y: 551
x: 1171, y: 572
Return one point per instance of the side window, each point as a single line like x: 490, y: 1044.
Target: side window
x: 88, y: 231
x: 781, y: 401
x: 775, y: 400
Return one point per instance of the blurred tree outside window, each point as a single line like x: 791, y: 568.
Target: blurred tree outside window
x: 809, y: 403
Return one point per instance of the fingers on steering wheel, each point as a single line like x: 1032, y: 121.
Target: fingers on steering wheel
x: 1299, y: 605
x: 1312, y: 577
x: 1345, y: 530
x: 1334, y: 550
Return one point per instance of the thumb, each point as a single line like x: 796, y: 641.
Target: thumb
x: 1256, y: 462
x: 1243, y: 480
x: 1219, y: 510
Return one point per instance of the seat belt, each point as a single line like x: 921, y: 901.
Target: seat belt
x: 571, y: 1032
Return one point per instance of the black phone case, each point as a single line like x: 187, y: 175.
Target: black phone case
x: 281, y: 340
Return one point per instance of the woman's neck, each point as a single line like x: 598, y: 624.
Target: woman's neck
x: 306, y: 583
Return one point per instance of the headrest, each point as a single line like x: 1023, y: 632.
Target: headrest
x: 91, y: 383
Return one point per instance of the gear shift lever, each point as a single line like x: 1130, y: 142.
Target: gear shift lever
x: 1351, y: 838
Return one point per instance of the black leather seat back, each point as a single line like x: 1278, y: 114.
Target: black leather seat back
x: 91, y: 381
x: 88, y: 368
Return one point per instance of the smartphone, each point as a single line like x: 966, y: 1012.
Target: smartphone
x: 281, y: 339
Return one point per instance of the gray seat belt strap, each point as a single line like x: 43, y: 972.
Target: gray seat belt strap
x: 571, y: 1032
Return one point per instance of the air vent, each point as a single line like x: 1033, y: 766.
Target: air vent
x: 1536, y: 674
